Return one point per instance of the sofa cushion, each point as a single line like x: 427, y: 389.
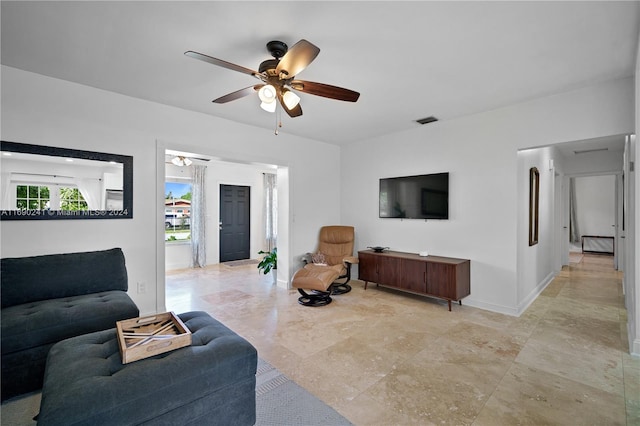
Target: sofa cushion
x: 48, y: 321
x: 210, y: 382
x: 30, y: 279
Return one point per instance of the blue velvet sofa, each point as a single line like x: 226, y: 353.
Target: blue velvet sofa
x: 46, y: 299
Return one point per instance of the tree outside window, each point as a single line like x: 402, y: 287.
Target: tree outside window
x: 34, y: 197
x: 71, y: 199
x: 30, y: 197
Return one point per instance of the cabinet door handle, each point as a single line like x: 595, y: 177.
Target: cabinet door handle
x: 425, y: 276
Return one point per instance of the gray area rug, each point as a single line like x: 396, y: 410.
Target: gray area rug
x: 279, y: 401
x: 282, y: 402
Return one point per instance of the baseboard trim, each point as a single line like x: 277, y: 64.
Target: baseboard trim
x: 533, y: 295
x: 283, y: 284
x: 634, y: 346
x: 500, y: 309
x: 520, y: 308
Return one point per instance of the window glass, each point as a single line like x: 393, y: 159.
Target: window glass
x: 32, y: 197
x: 72, y: 199
x: 177, y: 221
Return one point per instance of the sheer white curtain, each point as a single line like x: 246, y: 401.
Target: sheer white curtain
x: 574, y: 229
x: 91, y: 190
x: 6, y: 188
x: 198, y: 217
x: 270, y: 211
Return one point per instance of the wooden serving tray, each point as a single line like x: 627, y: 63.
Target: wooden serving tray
x: 144, y: 337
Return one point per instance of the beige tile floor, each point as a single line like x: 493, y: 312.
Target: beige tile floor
x: 385, y: 358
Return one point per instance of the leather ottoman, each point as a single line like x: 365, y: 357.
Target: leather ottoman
x: 210, y: 382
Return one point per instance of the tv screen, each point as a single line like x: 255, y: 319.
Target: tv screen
x: 415, y: 197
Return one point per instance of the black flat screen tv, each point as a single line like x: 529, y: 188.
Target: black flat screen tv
x: 415, y: 197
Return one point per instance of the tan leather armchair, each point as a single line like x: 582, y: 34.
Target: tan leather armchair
x: 331, y: 262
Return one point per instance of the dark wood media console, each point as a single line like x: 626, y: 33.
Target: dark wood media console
x: 434, y: 276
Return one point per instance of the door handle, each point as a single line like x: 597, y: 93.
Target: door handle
x: 220, y: 226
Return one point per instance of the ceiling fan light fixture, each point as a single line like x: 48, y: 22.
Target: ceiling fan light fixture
x: 267, y: 94
x: 181, y: 161
x: 277, y: 78
x: 290, y: 99
x: 268, y: 106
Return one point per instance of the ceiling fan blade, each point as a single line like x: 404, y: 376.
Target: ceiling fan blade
x: 221, y: 63
x: 297, y: 58
x: 237, y: 94
x: 294, y: 112
x: 325, y: 90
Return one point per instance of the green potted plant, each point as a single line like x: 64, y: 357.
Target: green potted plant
x: 269, y: 262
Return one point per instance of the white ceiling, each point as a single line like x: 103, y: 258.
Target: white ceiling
x: 408, y: 60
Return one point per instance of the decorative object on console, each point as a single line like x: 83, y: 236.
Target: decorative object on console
x: 378, y: 249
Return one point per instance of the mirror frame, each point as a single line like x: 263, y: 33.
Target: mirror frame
x: 534, y: 205
x: 127, y: 184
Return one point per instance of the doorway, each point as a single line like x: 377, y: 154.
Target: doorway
x: 593, y: 213
x: 235, y: 216
x: 243, y: 170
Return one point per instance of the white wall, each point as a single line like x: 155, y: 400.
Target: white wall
x: 47, y: 111
x: 480, y: 152
x: 632, y: 266
x: 536, y: 265
x: 596, y: 163
x: 595, y: 205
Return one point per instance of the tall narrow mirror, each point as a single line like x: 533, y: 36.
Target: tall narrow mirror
x: 534, y: 207
x: 43, y: 182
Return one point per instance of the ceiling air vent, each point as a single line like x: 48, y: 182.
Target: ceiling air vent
x: 426, y: 120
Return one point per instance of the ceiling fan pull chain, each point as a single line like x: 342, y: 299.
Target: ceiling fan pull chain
x: 275, y: 131
x: 278, y: 118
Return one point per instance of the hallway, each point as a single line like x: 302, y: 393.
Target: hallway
x: 381, y: 357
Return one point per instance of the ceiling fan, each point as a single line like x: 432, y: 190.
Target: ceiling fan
x: 278, y: 78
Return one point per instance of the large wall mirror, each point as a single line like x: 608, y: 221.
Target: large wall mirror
x: 43, y: 182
